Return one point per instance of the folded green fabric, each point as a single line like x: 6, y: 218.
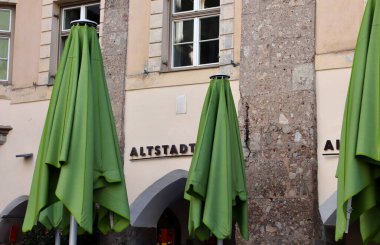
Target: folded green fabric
x: 216, y: 184
x: 359, y: 161
x: 79, y: 162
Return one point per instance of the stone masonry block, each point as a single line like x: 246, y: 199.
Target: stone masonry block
x: 154, y: 50
x: 227, y: 26
x: 47, y: 2
x: 45, y: 38
x: 155, y: 35
x: 156, y: 7
x: 226, y: 41
x: 227, y: 11
x: 303, y: 77
x: 101, y: 19
x: 46, y: 24
x: 226, y: 56
x: 43, y: 78
x: 44, y: 64
x: 154, y: 64
x: 45, y: 51
x: 155, y: 21
x: 223, y: 2
x: 47, y: 11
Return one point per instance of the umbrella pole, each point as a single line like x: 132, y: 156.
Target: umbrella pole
x: 57, y: 240
x: 73, y: 231
x: 220, y: 242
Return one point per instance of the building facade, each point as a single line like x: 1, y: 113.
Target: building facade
x: 289, y: 63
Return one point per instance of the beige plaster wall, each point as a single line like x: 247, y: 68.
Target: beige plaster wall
x: 331, y: 91
x: 138, y: 36
x: 151, y: 119
x: 26, y: 43
x: 337, y: 27
x: 337, y: 24
x: 27, y: 121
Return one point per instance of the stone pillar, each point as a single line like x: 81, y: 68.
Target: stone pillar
x: 114, y: 48
x: 278, y: 117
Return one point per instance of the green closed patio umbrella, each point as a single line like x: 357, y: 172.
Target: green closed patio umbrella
x: 79, y: 170
x: 215, y: 186
x: 359, y: 161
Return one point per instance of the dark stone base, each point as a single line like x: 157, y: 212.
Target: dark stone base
x: 131, y: 236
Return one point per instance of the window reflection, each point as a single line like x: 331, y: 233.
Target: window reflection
x: 209, y: 4
x: 183, y: 55
x: 183, y: 31
x: 183, y: 5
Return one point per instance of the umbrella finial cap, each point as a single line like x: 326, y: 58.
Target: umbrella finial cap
x: 84, y: 21
x: 220, y: 76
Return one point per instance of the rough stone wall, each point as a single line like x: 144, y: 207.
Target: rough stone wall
x: 131, y: 236
x: 114, y: 48
x: 278, y: 119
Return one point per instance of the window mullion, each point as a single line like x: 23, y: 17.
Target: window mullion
x: 196, y: 5
x: 82, y: 12
x: 172, y: 44
x: 196, y: 42
x: 6, y: 59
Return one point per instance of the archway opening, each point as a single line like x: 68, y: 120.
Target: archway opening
x: 11, y: 219
x: 162, y: 207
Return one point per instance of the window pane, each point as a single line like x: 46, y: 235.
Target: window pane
x: 209, y: 28
x: 93, y: 13
x: 183, y: 55
x: 70, y: 15
x: 209, y: 52
x: 4, y: 42
x: 183, y: 5
x: 183, y: 31
x: 209, y: 3
x: 5, y: 19
x: 3, y: 69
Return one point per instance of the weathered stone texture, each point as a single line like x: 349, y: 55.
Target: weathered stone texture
x: 278, y: 116
x: 131, y: 236
x: 114, y: 48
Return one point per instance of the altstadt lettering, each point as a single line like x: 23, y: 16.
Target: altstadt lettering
x: 161, y: 150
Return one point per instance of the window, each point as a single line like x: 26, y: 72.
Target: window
x: 85, y: 11
x: 5, y: 43
x: 194, y: 33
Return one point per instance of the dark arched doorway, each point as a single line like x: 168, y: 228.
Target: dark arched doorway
x: 11, y: 219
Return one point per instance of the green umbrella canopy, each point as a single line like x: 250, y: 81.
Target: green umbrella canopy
x: 215, y: 185
x: 359, y: 161
x: 79, y: 170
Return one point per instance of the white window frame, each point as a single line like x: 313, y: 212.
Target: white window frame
x: 82, y: 14
x: 196, y: 15
x: 64, y: 33
x: 7, y: 34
